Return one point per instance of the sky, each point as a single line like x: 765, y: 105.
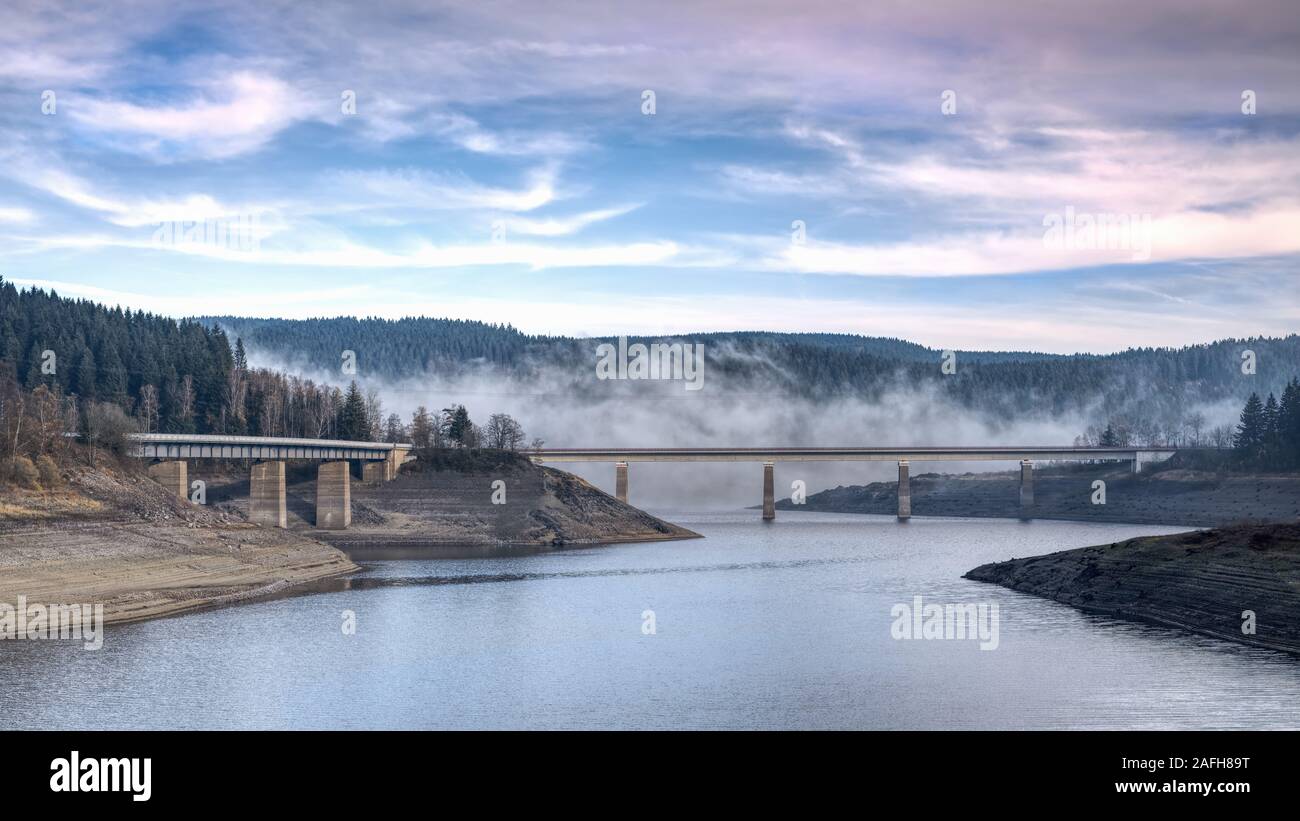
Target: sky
x: 924, y: 170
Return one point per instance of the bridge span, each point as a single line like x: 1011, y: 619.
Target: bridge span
x: 904, y: 456
x: 267, y: 497
x: 382, y: 461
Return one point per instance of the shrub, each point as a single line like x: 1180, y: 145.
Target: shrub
x: 49, y: 472
x: 23, y: 473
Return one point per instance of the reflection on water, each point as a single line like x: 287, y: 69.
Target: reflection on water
x: 756, y: 626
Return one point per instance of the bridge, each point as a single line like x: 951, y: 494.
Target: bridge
x: 381, y: 462
x: 267, y: 497
x: 904, y: 456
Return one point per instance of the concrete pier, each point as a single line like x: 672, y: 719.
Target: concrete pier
x: 1026, y: 484
x: 904, y: 491
x: 769, y: 490
x: 172, y: 475
x: 620, y: 481
x: 333, y: 496
x: 266, y: 503
x: 375, y: 473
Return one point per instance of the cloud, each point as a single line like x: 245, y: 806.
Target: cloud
x: 13, y: 214
x: 1267, y: 231
x: 235, y: 114
x: 415, y: 188
x: 561, y: 226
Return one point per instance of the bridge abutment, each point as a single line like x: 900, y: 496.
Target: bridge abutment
x: 333, y: 496
x: 1026, y: 485
x: 620, y: 481
x: 266, y: 502
x: 172, y: 475
x: 904, y: 490
x: 769, y: 491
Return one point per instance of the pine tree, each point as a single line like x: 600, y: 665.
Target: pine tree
x: 1108, y: 438
x: 1249, y: 437
x: 1288, y: 426
x: 353, y: 423
x: 1270, y: 441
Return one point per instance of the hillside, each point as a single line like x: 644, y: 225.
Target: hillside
x: 1159, y: 385
x: 451, y: 511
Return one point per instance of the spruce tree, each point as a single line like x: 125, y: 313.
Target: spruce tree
x: 1250, y: 433
x: 353, y: 423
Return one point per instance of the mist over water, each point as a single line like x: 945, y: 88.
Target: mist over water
x: 570, y: 407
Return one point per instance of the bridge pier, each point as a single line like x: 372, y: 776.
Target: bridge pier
x: 620, y: 481
x: 904, y: 491
x: 1137, y: 465
x: 375, y: 473
x: 1026, y: 485
x: 174, y: 476
x: 266, y: 496
x: 333, y: 496
x: 769, y: 491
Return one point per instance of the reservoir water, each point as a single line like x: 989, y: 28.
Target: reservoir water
x: 781, y: 625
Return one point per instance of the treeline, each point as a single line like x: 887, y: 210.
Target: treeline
x: 91, y: 353
x: 75, y: 371
x: 1162, y: 385
x: 1268, y: 435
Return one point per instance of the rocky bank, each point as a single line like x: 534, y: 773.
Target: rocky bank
x: 1207, y: 581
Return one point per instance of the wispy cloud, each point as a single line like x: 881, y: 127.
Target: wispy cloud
x: 226, y: 116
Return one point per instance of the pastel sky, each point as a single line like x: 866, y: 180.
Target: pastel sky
x: 501, y: 164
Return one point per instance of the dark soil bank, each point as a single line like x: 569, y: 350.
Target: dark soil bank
x: 1202, y: 581
x: 1173, y: 497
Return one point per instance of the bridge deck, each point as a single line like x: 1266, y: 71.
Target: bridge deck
x: 216, y: 446
x: 846, y: 454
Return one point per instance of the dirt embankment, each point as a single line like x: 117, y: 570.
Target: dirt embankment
x: 1170, y: 497
x: 460, y: 512
x: 116, y: 538
x: 1239, y: 583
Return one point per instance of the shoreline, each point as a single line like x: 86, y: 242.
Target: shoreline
x: 115, y: 537
x: 1168, y: 498
x: 1237, y: 584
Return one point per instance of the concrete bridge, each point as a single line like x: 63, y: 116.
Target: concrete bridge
x: 381, y: 462
x: 1026, y: 456
x: 267, y: 498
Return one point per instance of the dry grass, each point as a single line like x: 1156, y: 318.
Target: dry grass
x: 34, y: 505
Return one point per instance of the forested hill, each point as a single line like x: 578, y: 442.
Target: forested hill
x: 1154, y: 383
x: 95, y: 353
x: 191, y: 374
x: 399, y: 347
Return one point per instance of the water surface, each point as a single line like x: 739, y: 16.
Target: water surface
x: 781, y: 625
